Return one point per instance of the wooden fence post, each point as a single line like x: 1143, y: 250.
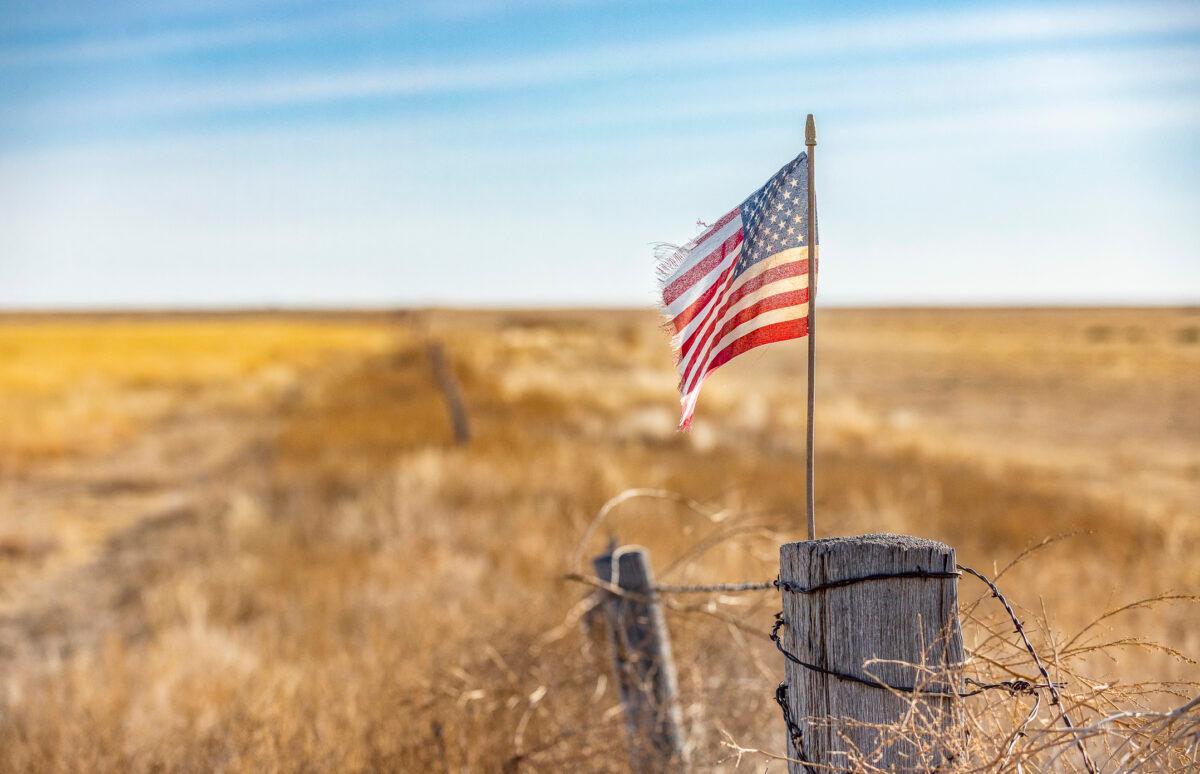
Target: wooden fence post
x: 642, y: 664
x: 450, y: 392
x: 901, y: 628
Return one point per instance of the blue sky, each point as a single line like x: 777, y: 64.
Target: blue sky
x: 222, y: 153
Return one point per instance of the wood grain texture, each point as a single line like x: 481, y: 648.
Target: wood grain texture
x: 902, y: 631
x: 642, y: 662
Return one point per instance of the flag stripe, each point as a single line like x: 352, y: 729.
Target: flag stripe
x: 701, y: 294
x: 686, y: 337
x: 699, y: 241
x: 795, y: 328
x: 682, y: 321
x: 766, y: 334
x: 748, y: 323
x: 753, y: 279
x: 773, y: 271
x: 759, y: 304
x: 718, y: 327
x: 768, y: 310
x: 703, y: 265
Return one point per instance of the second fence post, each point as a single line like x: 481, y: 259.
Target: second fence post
x: 872, y: 640
x: 642, y: 661
x: 451, y: 393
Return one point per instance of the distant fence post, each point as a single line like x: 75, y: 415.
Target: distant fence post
x: 880, y: 608
x: 450, y: 392
x: 642, y: 663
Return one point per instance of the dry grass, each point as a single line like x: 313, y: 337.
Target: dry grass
x: 211, y: 567
x: 83, y: 384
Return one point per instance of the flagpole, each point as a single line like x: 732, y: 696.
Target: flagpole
x: 810, y: 139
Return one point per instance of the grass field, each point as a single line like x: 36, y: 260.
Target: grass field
x: 248, y: 543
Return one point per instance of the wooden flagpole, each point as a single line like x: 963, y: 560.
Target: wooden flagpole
x: 810, y: 139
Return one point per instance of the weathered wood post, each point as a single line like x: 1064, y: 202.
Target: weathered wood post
x: 873, y: 609
x: 642, y: 664
x: 450, y: 392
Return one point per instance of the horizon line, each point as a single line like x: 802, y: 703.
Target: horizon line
x: 235, y: 310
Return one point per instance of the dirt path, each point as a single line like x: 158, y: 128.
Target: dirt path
x: 86, y: 524
x: 83, y: 534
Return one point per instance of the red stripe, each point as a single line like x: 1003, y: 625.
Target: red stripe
x: 701, y: 269
x: 774, y: 274
x: 706, y: 324
x: 687, y: 315
x: 768, y: 334
x: 705, y: 329
x: 714, y: 228
x: 777, y: 301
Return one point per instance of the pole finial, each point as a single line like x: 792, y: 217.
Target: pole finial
x: 810, y: 131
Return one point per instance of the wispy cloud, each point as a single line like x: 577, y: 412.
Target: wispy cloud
x: 834, y: 73
x: 930, y: 28
x: 202, y: 36
x: 207, y: 34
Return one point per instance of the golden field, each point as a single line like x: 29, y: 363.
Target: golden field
x: 248, y: 542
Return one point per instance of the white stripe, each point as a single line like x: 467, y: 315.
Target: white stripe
x: 689, y: 403
x: 703, y: 249
x: 786, y: 256
x: 784, y: 285
x: 766, y: 318
x: 717, y: 299
x: 782, y: 314
x: 697, y: 290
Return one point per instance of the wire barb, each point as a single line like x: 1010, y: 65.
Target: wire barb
x: 1055, y: 697
x: 718, y: 588
x: 794, y: 732
x: 778, y: 583
x: 1014, y: 687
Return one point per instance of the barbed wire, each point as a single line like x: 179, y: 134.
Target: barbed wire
x: 717, y: 588
x: 1019, y: 628
x: 1012, y: 687
x: 778, y: 583
x: 1015, y: 687
x: 795, y: 733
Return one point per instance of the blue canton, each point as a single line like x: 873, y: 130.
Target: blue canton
x: 775, y: 217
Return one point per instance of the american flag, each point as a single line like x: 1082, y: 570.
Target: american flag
x: 742, y: 283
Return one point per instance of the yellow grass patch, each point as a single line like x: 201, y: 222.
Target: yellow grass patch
x: 83, y: 385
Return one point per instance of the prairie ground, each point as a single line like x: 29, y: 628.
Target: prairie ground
x: 249, y: 542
